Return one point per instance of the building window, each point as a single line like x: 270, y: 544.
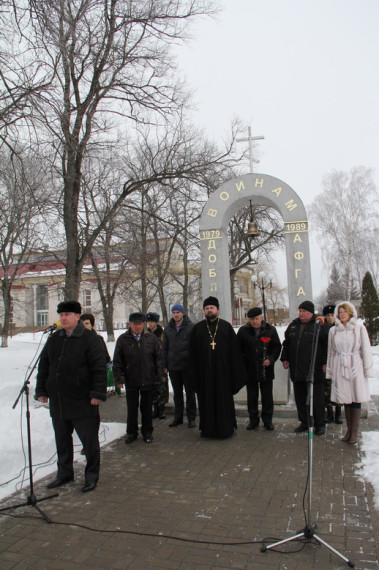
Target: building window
x: 42, y: 318
x: 42, y: 305
x: 42, y: 300
x: 87, y: 301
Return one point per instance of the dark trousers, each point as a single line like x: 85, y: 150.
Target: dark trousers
x: 300, y: 390
x: 252, y: 390
x: 135, y: 397
x: 88, y: 432
x: 181, y: 379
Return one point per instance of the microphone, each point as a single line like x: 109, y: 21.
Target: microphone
x: 320, y: 320
x: 53, y: 327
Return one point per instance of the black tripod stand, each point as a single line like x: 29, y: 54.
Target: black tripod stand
x: 309, y: 532
x: 32, y: 499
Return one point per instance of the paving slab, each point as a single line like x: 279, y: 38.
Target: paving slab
x: 187, y: 502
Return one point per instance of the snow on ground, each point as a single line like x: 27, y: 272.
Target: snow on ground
x: 369, y: 466
x: 16, y: 362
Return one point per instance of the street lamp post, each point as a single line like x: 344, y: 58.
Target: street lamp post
x: 238, y: 302
x: 260, y: 284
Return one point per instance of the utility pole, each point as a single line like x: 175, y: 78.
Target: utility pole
x: 250, y: 140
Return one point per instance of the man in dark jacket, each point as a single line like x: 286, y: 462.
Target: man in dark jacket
x: 296, y: 356
x: 328, y: 312
x: 260, y: 347
x: 160, y: 394
x: 136, y: 364
x: 72, y: 377
x: 175, y: 353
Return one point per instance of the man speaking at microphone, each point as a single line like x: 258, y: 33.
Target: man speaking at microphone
x: 297, y: 355
x: 72, y: 376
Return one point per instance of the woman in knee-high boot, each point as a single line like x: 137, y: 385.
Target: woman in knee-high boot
x: 349, y: 365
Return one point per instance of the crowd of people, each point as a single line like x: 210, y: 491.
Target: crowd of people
x: 210, y: 363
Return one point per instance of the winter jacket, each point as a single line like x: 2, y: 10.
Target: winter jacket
x: 349, y: 360
x: 158, y: 333
x: 108, y: 359
x: 297, y: 349
x: 253, y: 349
x: 137, y: 363
x: 71, y: 371
x: 175, y: 348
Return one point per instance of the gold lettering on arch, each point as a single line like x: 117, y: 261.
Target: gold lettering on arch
x: 291, y: 205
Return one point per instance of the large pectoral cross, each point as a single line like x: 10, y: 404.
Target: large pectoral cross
x: 213, y: 344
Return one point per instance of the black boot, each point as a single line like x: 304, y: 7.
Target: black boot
x: 337, y: 415
x: 176, y: 422
x: 329, y: 415
x: 161, y: 414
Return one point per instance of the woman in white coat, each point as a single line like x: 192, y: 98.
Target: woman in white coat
x: 349, y: 365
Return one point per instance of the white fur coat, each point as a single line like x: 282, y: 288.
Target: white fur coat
x: 349, y: 360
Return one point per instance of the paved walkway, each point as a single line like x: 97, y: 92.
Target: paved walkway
x: 189, y: 503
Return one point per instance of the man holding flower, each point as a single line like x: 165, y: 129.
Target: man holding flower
x: 260, y: 346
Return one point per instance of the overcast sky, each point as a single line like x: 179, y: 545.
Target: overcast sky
x: 304, y: 74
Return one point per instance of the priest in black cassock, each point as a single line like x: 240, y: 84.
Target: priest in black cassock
x: 218, y: 371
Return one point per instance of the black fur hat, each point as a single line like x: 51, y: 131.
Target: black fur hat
x: 69, y: 307
x: 136, y: 318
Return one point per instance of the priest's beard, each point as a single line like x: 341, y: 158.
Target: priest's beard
x: 211, y: 319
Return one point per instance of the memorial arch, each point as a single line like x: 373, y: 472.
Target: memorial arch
x: 224, y: 203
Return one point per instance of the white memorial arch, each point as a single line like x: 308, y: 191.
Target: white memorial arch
x: 224, y: 203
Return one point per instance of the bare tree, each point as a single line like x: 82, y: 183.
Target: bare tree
x: 245, y: 251
x: 111, y: 68
x: 186, y: 207
x: 21, y: 206
x: 346, y: 217
x: 22, y: 78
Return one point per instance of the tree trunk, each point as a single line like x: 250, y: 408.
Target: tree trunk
x: 75, y: 260
x: 108, y: 319
x: 7, y: 302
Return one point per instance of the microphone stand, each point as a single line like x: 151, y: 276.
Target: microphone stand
x: 31, y: 499
x: 309, y: 531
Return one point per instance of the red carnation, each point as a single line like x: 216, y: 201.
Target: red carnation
x: 265, y: 340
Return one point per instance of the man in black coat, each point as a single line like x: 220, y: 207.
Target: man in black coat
x: 296, y: 356
x: 72, y: 376
x: 328, y: 312
x: 218, y: 371
x: 175, y: 353
x: 136, y: 364
x: 160, y: 394
x: 260, y: 347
